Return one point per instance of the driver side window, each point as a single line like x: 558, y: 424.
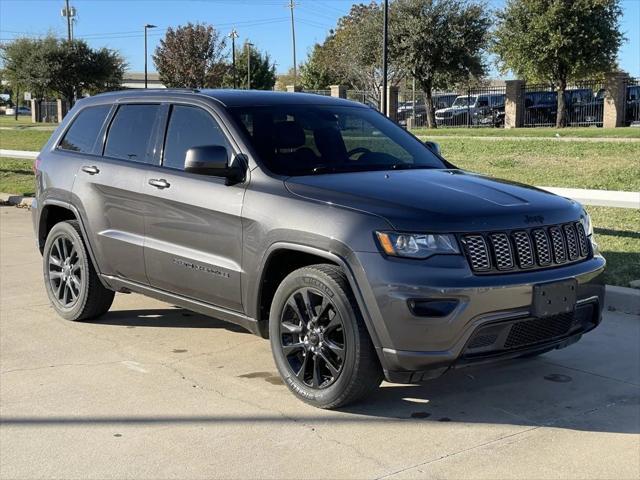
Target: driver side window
x: 189, y: 127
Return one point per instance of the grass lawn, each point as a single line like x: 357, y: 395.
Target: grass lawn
x: 27, y: 139
x: 16, y: 176
x: 576, y: 132
x: 24, y: 121
x: 617, y: 231
x: 601, y: 165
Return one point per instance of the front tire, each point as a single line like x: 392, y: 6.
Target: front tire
x: 319, y: 341
x: 72, y: 284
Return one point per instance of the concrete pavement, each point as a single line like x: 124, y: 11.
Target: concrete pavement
x: 154, y: 391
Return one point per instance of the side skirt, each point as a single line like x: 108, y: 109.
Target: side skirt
x: 119, y: 284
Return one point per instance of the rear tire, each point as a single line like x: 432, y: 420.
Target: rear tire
x: 319, y: 341
x: 72, y: 284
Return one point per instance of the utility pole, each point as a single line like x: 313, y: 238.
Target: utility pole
x: 384, y: 57
x: 233, y: 35
x: 293, y: 37
x: 146, y: 27
x: 249, y: 45
x: 67, y: 12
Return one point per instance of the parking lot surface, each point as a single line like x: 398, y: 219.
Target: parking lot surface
x: 154, y: 391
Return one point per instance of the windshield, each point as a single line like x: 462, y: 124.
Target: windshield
x: 464, y: 101
x: 317, y: 139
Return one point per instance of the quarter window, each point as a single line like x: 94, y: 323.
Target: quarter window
x: 189, y: 127
x: 130, y: 136
x: 83, y: 132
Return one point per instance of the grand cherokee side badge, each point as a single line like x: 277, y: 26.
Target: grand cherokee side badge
x: 201, y: 268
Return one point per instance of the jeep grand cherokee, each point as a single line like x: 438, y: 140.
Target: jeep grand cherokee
x: 316, y: 222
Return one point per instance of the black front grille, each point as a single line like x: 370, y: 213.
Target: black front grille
x: 494, y: 252
x: 538, y: 330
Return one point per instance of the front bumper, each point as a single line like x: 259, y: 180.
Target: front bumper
x: 413, y: 348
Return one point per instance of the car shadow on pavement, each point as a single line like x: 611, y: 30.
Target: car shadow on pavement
x: 533, y: 392
x: 163, y: 317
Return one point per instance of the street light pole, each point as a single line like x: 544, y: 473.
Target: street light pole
x: 68, y: 14
x: 234, y: 35
x: 384, y: 57
x: 249, y: 45
x: 146, y: 27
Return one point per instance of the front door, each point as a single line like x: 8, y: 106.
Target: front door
x: 193, y: 244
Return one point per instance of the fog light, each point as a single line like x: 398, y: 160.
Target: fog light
x: 437, y: 307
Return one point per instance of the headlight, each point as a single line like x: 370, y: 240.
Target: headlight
x: 417, y: 245
x: 585, y: 220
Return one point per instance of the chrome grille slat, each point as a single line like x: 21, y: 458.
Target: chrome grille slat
x: 536, y: 248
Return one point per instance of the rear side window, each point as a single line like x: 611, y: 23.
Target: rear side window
x: 83, y: 132
x: 130, y: 134
x: 189, y: 127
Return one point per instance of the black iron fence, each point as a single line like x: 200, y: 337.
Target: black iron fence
x: 364, y: 96
x: 467, y: 108
x: 584, y: 103
x: 47, y: 111
x: 632, y: 91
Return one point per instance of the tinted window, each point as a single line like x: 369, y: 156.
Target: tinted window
x: 317, y: 139
x: 130, y: 134
x: 84, y: 130
x: 189, y: 127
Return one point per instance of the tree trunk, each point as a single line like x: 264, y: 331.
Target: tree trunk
x: 561, y: 115
x: 430, y: 111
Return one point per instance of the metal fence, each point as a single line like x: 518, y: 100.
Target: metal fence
x: 466, y: 108
x: 364, y: 96
x: 326, y: 93
x: 632, y: 92
x: 584, y: 102
x: 48, y: 111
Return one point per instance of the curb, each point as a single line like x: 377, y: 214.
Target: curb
x: 622, y: 299
x: 17, y: 200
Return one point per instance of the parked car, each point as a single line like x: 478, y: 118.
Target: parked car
x: 541, y: 107
x: 473, y: 110
x: 440, y: 100
x: 21, y: 111
x: 359, y: 251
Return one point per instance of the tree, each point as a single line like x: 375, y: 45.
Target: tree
x: 52, y: 66
x: 353, y: 53
x: 192, y: 56
x: 440, y: 42
x: 557, y: 41
x: 263, y: 72
x: 318, y: 73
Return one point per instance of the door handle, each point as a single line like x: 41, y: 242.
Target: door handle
x: 91, y: 170
x: 160, y: 183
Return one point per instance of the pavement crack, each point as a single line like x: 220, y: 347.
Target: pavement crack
x: 59, y: 365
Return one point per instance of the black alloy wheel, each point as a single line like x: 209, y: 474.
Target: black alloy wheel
x: 312, y: 338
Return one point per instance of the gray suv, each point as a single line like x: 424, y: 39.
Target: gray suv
x: 360, y: 252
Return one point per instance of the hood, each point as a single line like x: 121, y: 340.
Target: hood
x: 438, y: 200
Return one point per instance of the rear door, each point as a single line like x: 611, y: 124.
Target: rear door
x: 193, y: 226
x: 109, y: 187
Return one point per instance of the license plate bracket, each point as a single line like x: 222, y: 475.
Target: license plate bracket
x: 554, y: 298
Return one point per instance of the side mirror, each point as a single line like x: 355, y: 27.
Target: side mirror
x: 433, y: 146
x: 212, y: 160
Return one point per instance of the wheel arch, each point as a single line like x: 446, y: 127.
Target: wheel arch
x: 302, y: 256
x: 54, y: 211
